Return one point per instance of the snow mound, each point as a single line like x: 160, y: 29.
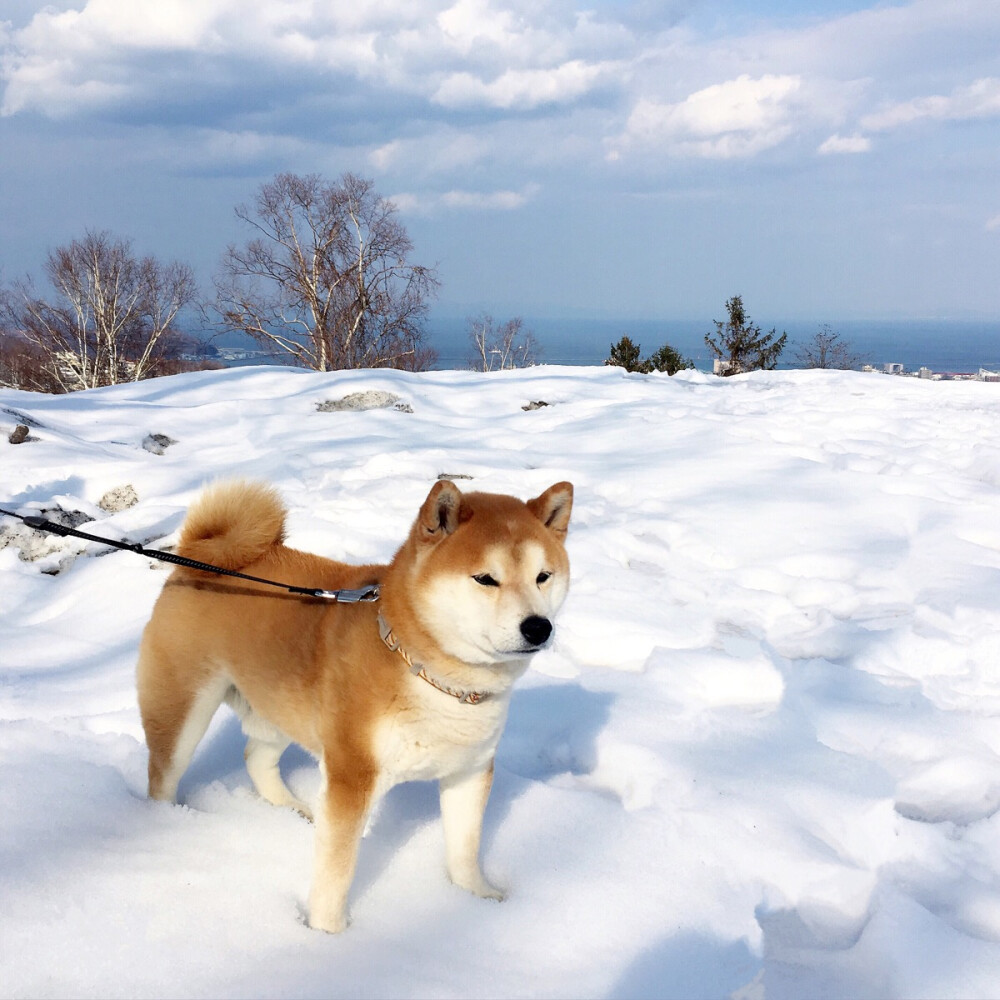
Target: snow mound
x: 762, y: 759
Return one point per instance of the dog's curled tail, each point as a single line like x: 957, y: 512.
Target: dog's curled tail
x: 232, y: 524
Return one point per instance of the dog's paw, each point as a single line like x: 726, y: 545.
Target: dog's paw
x: 489, y: 891
x: 330, y: 923
x: 478, y: 886
x: 303, y: 810
x: 327, y: 910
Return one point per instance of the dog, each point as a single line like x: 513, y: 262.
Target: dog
x: 413, y: 686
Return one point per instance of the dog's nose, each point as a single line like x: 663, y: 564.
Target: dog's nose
x: 536, y: 629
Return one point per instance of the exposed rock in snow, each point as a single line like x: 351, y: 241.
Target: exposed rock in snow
x: 368, y: 399
x: 119, y: 498
x: 157, y: 443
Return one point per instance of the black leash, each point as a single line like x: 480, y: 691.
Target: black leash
x: 365, y: 594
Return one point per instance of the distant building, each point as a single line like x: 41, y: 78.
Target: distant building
x: 240, y: 354
x: 894, y: 368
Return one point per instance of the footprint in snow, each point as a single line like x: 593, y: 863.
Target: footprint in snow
x: 959, y: 790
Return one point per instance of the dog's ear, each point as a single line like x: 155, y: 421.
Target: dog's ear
x: 553, y: 507
x: 439, y: 514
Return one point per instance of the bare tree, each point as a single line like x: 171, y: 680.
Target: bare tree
x: 112, y: 314
x: 23, y: 366
x: 827, y: 350
x: 327, y: 279
x: 501, y: 346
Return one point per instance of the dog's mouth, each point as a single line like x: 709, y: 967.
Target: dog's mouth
x: 495, y: 655
x: 533, y: 635
x: 526, y: 648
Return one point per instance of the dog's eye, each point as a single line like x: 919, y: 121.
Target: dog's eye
x: 542, y: 577
x: 485, y: 580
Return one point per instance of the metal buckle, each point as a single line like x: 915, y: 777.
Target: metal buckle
x: 366, y: 595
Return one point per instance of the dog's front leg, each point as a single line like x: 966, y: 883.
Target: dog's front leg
x: 340, y: 820
x: 463, y: 802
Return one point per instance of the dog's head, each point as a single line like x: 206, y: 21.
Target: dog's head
x: 490, y: 571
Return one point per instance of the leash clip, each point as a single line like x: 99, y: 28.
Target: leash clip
x: 365, y: 595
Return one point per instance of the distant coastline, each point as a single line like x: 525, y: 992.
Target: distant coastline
x: 941, y: 345
x: 956, y: 346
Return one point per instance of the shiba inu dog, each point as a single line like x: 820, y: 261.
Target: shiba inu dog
x: 412, y: 686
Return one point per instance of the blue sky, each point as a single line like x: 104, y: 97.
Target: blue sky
x: 645, y: 159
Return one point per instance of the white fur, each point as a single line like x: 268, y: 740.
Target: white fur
x: 440, y: 737
x: 265, y: 745
x: 481, y: 624
x: 463, y: 802
x: 454, y: 743
x: 199, y: 716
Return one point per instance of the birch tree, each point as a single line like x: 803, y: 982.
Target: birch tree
x: 326, y: 280
x: 501, y: 346
x: 112, y: 314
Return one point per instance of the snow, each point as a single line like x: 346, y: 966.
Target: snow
x: 762, y: 759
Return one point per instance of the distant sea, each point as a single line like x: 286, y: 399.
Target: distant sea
x: 941, y: 345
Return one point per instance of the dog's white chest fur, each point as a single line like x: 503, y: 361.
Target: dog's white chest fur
x: 436, y: 736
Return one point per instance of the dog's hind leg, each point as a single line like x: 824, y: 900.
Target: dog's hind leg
x: 265, y: 745
x: 175, y: 719
x: 262, y: 765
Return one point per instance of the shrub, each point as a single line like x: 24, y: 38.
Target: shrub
x: 626, y: 354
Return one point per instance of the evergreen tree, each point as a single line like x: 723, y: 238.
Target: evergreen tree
x: 625, y: 355
x: 739, y: 345
x: 666, y: 359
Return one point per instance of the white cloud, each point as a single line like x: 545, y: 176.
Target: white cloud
x: 846, y: 144
x: 409, y: 203
x: 504, y: 201
x: 385, y: 156
x: 389, y: 79
x: 165, y: 25
x: 472, y: 22
x: 993, y: 225
x: 441, y: 151
x: 524, y: 88
x: 506, y: 54
x: 737, y: 118
x: 465, y: 200
x: 978, y: 100
x: 99, y: 56
x: 217, y: 147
